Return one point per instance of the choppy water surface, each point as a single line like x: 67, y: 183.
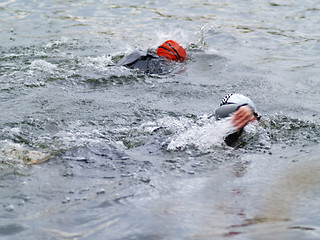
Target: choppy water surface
x: 122, y: 155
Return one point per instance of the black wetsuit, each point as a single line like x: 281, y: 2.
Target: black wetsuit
x: 147, y: 62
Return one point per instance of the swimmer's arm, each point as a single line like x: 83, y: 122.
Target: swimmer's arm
x: 242, y: 117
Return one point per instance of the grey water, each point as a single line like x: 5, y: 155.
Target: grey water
x: 123, y: 155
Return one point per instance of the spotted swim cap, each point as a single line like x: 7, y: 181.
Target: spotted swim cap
x: 239, y: 99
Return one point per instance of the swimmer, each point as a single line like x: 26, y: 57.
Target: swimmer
x: 242, y: 111
x: 156, y: 62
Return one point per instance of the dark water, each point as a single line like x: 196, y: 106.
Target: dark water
x: 131, y: 156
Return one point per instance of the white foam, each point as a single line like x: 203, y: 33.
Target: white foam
x: 42, y: 65
x: 178, y: 34
x: 59, y: 42
x: 170, y: 123
x: 202, y: 137
x: 99, y: 62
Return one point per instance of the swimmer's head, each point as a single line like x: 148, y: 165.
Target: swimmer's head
x: 173, y: 51
x: 239, y: 99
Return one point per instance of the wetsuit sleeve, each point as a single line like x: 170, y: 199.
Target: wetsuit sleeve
x: 232, y: 139
x: 131, y: 58
x: 146, y: 62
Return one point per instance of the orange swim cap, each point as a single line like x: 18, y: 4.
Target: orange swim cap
x: 172, y: 50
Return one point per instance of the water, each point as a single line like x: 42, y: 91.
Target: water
x: 122, y: 155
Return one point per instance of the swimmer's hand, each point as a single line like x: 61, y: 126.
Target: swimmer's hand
x: 242, y: 117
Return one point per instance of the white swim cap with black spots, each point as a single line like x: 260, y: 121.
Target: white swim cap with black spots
x: 239, y: 99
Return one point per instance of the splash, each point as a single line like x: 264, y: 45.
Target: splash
x: 97, y: 63
x: 42, y: 66
x: 203, y: 137
x: 203, y: 32
x: 190, y: 40
x: 57, y: 43
x: 177, y: 34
